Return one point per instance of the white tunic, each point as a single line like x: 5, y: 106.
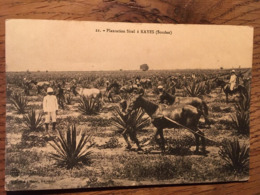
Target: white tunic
x: 233, y: 81
x: 50, y: 103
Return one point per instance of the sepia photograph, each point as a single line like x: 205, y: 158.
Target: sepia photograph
x: 111, y: 104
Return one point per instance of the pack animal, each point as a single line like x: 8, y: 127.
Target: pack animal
x: 240, y: 89
x: 92, y: 92
x: 193, y: 101
x: 186, y: 115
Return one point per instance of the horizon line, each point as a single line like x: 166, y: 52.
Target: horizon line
x: 177, y: 69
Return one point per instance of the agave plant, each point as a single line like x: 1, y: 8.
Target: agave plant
x: 131, y: 122
x: 241, y: 122
x: 33, y: 121
x: 71, y: 153
x: 195, y: 89
x: 235, y: 155
x: 89, y: 105
x: 241, y: 117
x: 19, y: 102
x: 244, y: 102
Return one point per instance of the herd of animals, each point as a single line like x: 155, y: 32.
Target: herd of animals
x: 169, y: 111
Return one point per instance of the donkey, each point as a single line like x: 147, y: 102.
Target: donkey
x: 186, y: 115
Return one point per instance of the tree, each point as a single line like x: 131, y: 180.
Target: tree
x: 144, y: 67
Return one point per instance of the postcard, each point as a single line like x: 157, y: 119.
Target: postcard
x: 110, y: 104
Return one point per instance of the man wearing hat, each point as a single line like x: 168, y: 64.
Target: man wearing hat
x: 50, y: 108
x: 233, y: 80
x: 161, y: 93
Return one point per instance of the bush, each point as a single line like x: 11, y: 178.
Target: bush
x: 19, y: 102
x: 32, y: 121
x: 89, y: 105
x: 69, y: 152
x: 235, y: 155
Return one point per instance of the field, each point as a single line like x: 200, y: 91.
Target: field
x: 29, y: 164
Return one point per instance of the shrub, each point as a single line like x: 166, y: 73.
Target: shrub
x: 89, y: 105
x: 19, y: 102
x: 131, y: 122
x: 235, y: 155
x: 33, y: 121
x: 69, y: 152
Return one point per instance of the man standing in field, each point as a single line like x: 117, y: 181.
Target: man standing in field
x: 233, y: 80
x: 50, y: 108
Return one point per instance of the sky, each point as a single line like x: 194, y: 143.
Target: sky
x: 40, y: 45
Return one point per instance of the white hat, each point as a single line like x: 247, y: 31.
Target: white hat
x: 233, y: 71
x: 160, y: 87
x: 49, y: 90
